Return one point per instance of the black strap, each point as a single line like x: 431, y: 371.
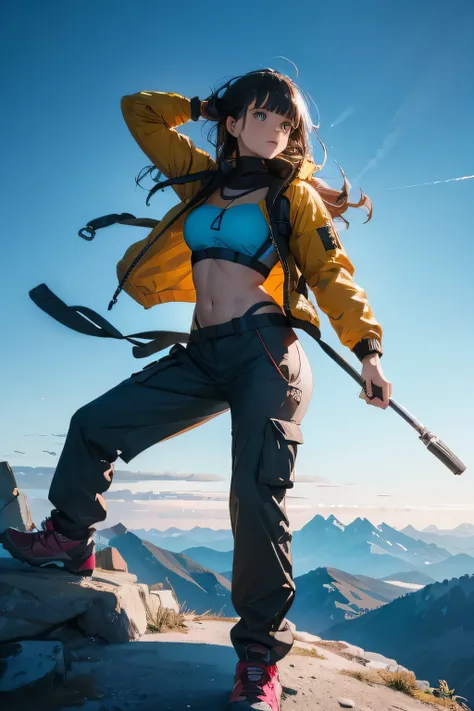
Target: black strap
x: 200, y: 195
x: 230, y: 255
x: 125, y: 218
x: 180, y: 180
x: 239, y: 325
x: 87, y: 321
x: 261, y: 250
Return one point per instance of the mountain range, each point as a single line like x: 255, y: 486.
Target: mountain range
x: 464, y: 529
x: 411, y: 577
x: 324, y: 596
x: 328, y: 595
x: 196, y: 587
x: 175, y: 539
x: 220, y: 561
x: 458, y: 540
x: 360, y: 548
x: 430, y: 631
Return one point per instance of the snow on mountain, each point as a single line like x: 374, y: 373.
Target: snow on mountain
x: 360, y: 548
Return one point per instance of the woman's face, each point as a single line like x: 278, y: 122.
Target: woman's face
x: 264, y: 135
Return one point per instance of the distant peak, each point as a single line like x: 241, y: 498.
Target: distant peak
x: 118, y: 530
x: 357, y: 522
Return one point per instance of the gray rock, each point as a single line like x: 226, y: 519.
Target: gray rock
x: 291, y: 625
x: 14, y: 509
x: 33, y: 600
x: 114, y: 577
x: 346, y: 703
x: 110, y: 559
x: 28, y: 668
x: 422, y: 685
x: 165, y: 599
x: 376, y: 657
x: 378, y: 665
x: 352, y: 649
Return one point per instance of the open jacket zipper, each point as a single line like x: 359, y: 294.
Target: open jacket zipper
x: 283, y: 261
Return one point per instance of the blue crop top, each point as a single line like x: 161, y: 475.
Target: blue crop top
x: 236, y: 234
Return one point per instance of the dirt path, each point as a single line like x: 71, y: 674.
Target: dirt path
x: 177, y: 672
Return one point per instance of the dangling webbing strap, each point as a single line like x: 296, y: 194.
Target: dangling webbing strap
x: 125, y: 218
x: 87, y: 321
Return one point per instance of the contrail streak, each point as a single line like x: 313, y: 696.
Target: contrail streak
x: 343, y: 117
x: 434, y: 182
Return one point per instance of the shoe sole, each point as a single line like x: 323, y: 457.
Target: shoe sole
x: 45, y: 562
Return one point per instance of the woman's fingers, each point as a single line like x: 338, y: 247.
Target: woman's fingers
x: 363, y: 396
x: 367, y: 394
x: 368, y: 388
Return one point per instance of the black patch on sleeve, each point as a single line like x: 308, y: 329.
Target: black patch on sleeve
x: 329, y: 238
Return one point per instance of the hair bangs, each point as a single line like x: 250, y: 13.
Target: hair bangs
x: 273, y: 93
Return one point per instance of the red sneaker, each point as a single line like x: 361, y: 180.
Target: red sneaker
x: 257, y: 687
x: 47, y: 547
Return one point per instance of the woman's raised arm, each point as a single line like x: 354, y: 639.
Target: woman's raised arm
x: 152, y: 117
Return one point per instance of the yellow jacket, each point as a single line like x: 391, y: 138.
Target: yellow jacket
x: 315, y: 250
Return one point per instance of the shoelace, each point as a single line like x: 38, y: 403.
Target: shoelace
x: 46, y: 537
x: 253, y: 684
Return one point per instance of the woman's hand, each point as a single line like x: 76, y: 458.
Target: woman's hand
x: 373, y: 375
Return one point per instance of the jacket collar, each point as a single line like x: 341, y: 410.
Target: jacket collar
x: 246, y: 168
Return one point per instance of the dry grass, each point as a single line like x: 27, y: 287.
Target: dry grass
x: 167, y: 620
x: 306, y: 652
x: 401, y: 681
x: 333, y: 646
x: 218, y: 618
x: 340, y: 648
x: 209, y: 615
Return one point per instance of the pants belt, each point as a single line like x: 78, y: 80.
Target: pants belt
x: 238, y: 325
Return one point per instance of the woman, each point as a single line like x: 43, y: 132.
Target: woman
x: 222, y: 248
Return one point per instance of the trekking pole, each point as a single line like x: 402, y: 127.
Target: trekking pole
x: 433, y: 443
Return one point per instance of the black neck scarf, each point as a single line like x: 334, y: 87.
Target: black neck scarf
x: 253, y: 172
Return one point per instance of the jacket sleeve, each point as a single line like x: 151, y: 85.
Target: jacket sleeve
x: 152, y: 117
x: 329, y: 273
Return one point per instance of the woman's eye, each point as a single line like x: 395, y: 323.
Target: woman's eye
x: 260, y: 113
x: 286, y: 125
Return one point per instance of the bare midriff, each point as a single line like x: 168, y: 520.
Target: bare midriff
x: 225, y: 290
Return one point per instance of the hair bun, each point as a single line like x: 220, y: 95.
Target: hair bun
x: 215, y: 107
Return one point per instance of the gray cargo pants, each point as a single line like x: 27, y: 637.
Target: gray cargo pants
x: 263, y: 375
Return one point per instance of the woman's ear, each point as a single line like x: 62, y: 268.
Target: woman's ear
x: 230, y: 124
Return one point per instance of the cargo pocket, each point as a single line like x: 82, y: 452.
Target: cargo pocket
x: 280, y: 446
x: 152, y: 369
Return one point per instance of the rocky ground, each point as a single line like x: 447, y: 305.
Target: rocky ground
x: 91, y: 644
x: 102, y: 656
x: 176, y: 672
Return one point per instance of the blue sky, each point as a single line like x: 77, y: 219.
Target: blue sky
x: 392, y: 85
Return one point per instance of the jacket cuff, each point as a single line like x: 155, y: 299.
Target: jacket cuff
x: 195, y: 108
x: 367, y: 346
